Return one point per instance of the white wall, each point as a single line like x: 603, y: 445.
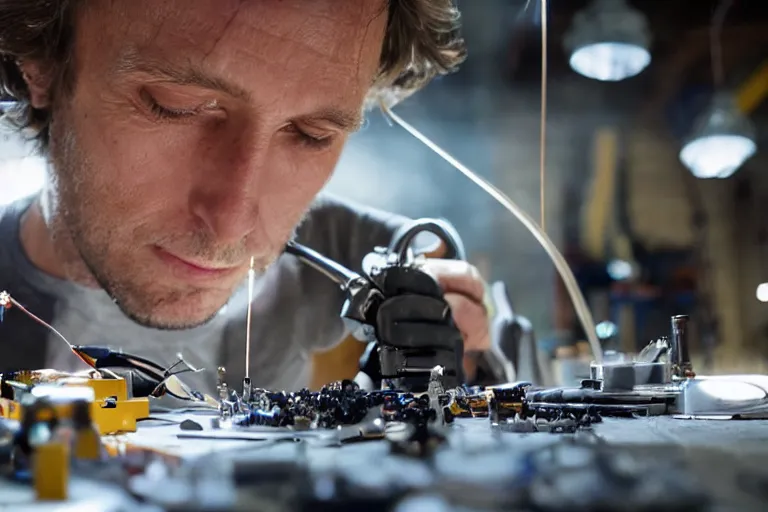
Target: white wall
x: 20, y: 173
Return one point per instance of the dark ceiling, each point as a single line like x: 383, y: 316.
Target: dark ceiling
x: 675, y: 25
x: 679, y: 82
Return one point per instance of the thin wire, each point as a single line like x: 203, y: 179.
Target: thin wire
x: 47, y: 326
x: 716, y: 46
x: 251, y: 275
x: 39, y: 320
x: 110, y: 373
x: 579, y: 303
x: 543, y: 134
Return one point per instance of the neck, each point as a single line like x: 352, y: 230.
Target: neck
x: 54, y: 255
x: 37, y: 242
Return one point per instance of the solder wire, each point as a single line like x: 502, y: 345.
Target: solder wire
x: 251, y: 276
x: 579, y: 302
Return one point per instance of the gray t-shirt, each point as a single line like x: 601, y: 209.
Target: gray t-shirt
x: 295, y: 308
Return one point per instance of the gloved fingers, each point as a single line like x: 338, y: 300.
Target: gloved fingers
x: 417, y: 308
x: 420, y: 335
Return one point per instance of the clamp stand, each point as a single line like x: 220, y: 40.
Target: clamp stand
x: 400, y: 307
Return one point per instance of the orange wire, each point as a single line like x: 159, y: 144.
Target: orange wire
x: 48, y: 326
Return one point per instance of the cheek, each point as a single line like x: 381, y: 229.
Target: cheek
x: 134, y: 170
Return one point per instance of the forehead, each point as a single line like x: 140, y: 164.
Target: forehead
x: 248, y: 42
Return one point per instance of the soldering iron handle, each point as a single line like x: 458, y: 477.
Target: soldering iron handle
x: 336, y: 272
x: 402, y: 238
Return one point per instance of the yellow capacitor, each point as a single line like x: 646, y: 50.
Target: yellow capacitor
x: 87, y: 443
x: 50, y: 471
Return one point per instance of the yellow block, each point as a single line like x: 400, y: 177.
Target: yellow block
x: 121, y: 417
x: 754, y: 90
x: 102, y: 388
x: 597, y: 216
x: 87, y: 444
x: 50, y: 471
x: 10, y: 410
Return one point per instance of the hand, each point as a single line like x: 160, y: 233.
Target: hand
x: 464, y: 290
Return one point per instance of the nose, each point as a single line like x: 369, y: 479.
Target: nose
x: 225, y: 194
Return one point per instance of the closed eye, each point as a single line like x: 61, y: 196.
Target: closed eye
x: 310, y: 140
x: 163, y: 112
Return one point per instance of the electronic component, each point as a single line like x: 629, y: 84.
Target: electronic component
x: 109, y: 404
x: 51, y: 471
x: 148, y: 377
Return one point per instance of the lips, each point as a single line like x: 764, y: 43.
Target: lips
x: 193, y: 270
x: 202, y: 266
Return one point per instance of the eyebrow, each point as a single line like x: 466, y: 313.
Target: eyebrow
x: 347, y: 121
x: 130, y: 62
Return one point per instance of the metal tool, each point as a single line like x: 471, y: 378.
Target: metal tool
x: 678, y: 355
x: 649, y: 384
x: 514, y: 353
x: 724, y: 397
x: 631, y: 376
x: 362, y: 294
x: 147, y: 377
x: 400, y: 307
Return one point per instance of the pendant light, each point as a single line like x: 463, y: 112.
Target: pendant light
x: 722, y: 140
x: 723, y: 137
x: 609, y: 41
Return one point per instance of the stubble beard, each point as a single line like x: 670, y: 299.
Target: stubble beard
x: 83, y: 246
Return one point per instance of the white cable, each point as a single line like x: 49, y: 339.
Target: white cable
x: 251, y: 276
x: 579, y: 303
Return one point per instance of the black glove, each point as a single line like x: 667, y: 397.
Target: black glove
x: 415, y: 332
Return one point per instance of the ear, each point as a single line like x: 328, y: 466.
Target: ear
x: 38, y: 81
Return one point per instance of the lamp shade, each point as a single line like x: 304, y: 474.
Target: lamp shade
x: 722, y: 140
x: 608, y: 41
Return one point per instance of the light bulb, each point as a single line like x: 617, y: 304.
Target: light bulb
x: 762, y: 292
x: 717, y: 156
x: 722, y: 140
x: 610, y: 62
x: 619, y: 270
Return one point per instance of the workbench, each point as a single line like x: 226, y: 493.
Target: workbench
x: 728, y: 457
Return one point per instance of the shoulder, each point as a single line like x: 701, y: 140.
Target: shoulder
x: 345, y: 230
x: 10, y: 217
x: 14, y: 210
x: 340, y: 214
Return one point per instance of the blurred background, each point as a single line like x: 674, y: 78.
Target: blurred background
x: 656, y: 175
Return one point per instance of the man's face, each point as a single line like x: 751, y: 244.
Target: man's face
x: 196, y: 136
